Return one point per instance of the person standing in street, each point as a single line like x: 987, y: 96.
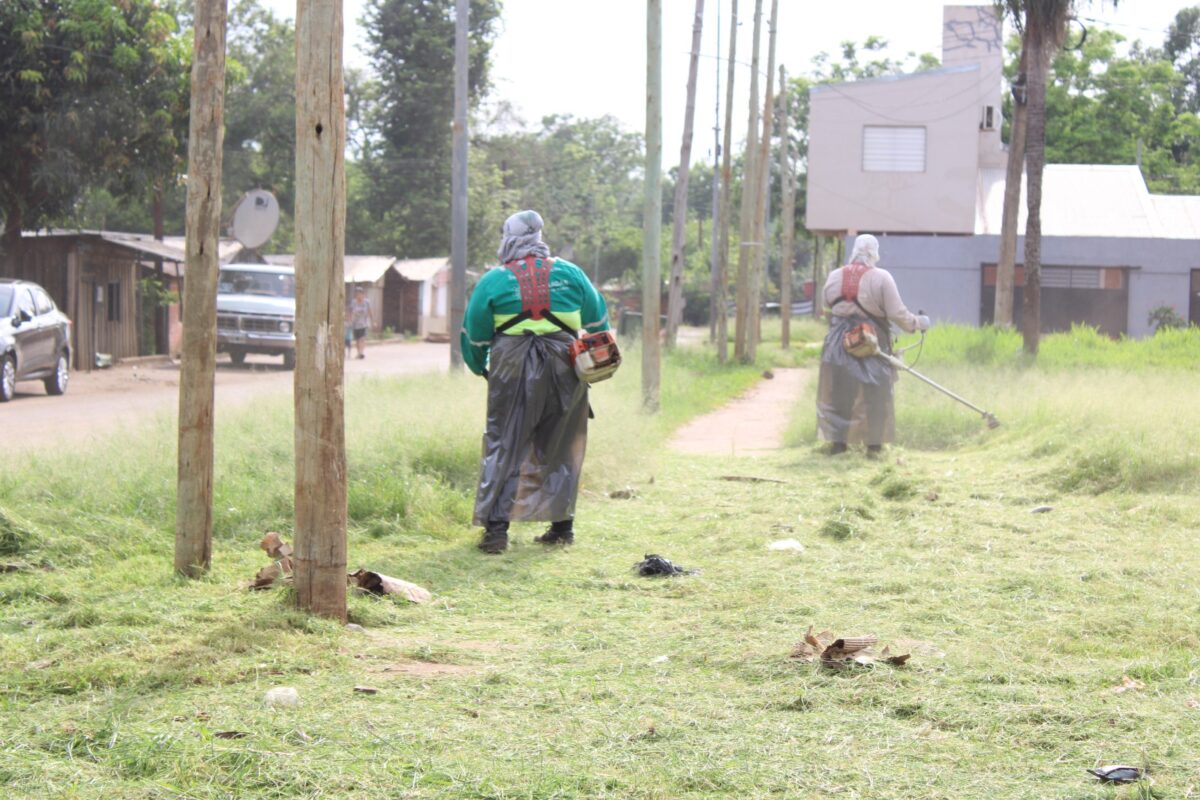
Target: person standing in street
x: 361, y: 319
x: 518, y: 332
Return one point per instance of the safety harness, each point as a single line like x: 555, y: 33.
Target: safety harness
x: 861, y: 341
x: 595, y: 356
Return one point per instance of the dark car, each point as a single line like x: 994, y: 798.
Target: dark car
x: 35, y: 339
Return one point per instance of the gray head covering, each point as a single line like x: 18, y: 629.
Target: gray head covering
x: 866, y: 250
x: 521, y: 237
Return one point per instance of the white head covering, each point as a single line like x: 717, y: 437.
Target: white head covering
x: 521, y: 236
x: 866, y: 250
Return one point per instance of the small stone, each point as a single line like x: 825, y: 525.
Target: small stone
x: 353, y: 627
x: 787, y: 544
x: 660, y: 660
x: 281, y: 697
x: 1041, y: 509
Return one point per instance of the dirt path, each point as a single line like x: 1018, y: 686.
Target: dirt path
x: 98, y: 402
x: 751, y: 425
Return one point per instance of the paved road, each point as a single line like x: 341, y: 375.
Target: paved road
x: 127, y: 395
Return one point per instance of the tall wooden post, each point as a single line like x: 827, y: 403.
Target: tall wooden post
x: 320, y: 307
x: 675, y: 292
x: 714, y: 258
x: 194, y: 480
x: 750, y: 194
x: 458, y: 180
x: 652, y: 210
x: 787, y: 214
x: 762, y: 214
x: 726, y: 196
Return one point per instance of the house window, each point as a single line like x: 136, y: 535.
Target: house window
x: 114, y: 302
x: 893, y: 149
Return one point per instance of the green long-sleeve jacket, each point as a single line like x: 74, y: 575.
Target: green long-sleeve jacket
x: 497, y: 299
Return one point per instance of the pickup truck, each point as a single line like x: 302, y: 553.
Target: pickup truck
x: 256, y: 312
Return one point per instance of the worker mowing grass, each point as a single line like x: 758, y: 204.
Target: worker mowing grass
x: 522, y: 331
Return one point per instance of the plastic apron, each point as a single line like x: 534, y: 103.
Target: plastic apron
x: 845, y: 417
x: 536, y: 433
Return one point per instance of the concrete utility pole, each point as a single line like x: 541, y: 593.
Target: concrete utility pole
x: 762, y: 212
x: 458, y: 180
x: 750, y: 193
x: 652, y: 210
x: 679, y: 221
x: 194, y: 482
x: 726, y: 201
x: 320, y: 556
x: 787, y: 215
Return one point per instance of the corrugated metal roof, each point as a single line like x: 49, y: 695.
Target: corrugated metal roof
x: 227, y: 249
x: 421, y: 269
x: 366, y: 269
x: 1100, y: 200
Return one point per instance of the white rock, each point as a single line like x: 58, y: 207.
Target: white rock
x: 786, y: 544
x: 281, y: 697
x: 660, y: 660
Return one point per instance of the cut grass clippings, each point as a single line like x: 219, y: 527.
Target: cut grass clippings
x: 562, y: 674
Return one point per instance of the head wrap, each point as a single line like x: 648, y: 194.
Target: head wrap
x: 521, y: 236
x: 866, y: 250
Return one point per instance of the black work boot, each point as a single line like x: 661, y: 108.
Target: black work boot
x: 495, y: 538
x: 562, y: 532
x: 836, y: 449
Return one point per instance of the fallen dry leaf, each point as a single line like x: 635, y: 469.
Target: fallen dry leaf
x: 378, y: 584
x: 749, y: 479
x: 366, y: 690
x: 1193, y: 703
x: 231, y: 734
x: 41, y: 663
x: 839, y: 652
x: 274, y: 546
x: 266, y: 577
x: 1127, y: 684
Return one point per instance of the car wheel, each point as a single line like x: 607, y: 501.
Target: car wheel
x: 8, y: 379
x: 238, y: 357
x: 57, y: 383
x: 289, y: 360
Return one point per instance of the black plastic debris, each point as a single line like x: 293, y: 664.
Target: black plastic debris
x: 1117, y: 773
x: 653, y: 565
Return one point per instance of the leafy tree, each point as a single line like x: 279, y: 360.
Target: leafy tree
x: 582, y: 175
x: 1182, y: 48
x: 91, y: 94
x: 406, y: 131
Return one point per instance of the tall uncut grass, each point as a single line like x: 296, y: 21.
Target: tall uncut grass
x: 1093, y: 414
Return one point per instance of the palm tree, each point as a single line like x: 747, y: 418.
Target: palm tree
x: 1045, y: 27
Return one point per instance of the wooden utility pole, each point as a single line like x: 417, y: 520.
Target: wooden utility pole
x: 722, y: 288
x: 758, y: 263
x: 320, y: 556
x: 194, y: 481
x: 458, y: 180
x: 787, y: 214
x: 679, y: 221
x: 714, y: 258
x: 750, y: 194
x: 1006, y: 265
x: 652, y: 210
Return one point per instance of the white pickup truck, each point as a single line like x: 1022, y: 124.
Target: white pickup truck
x: 256, y: 312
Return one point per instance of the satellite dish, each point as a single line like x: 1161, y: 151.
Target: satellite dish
x: 255, y: 218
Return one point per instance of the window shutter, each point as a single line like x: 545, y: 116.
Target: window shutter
x: 893, y: 149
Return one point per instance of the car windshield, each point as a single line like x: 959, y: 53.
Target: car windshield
x: 268, y: 284
x: 6, y: 296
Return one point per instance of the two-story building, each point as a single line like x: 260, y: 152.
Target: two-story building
x: 918, y: 160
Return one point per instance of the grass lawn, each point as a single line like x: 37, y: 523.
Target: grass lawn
x: 561, y: 674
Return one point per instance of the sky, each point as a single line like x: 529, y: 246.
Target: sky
x: 599, y: 62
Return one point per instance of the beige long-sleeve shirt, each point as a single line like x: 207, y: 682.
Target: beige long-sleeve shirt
x: 877, y: 293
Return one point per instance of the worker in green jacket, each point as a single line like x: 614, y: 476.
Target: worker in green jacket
x: 518, y: 331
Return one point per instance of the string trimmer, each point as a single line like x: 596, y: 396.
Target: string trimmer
x: 898, y: 363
